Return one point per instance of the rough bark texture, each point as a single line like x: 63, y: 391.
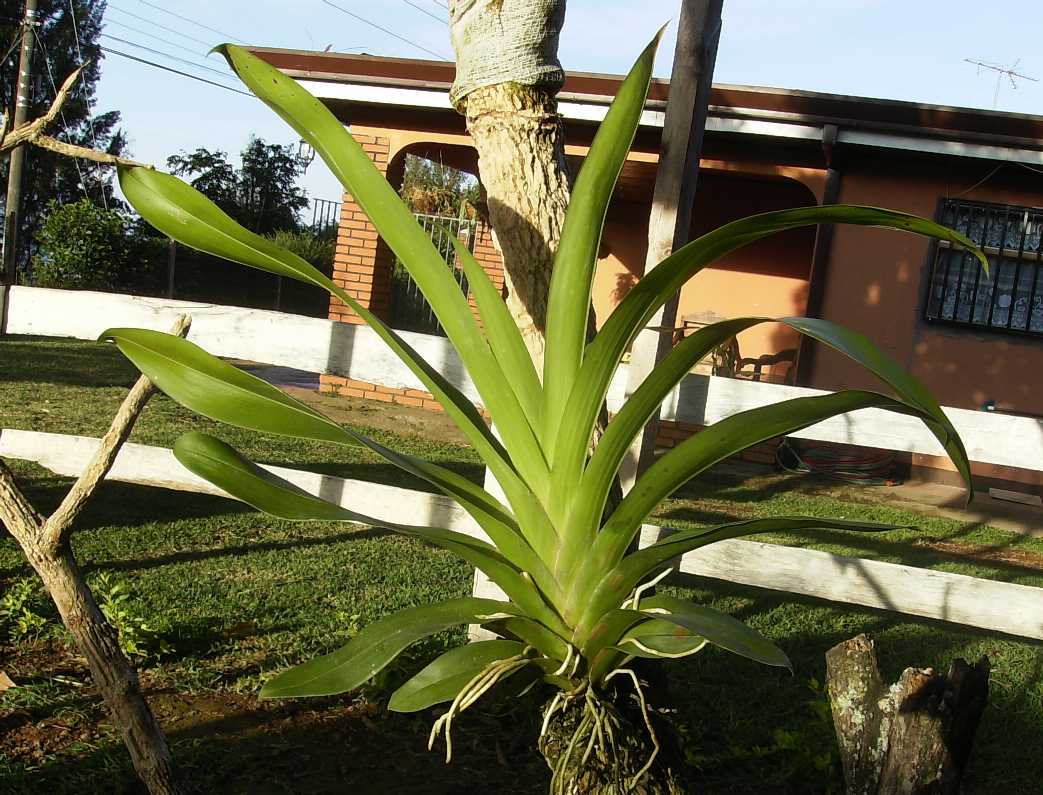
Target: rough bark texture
x: 46, y: 544
x: 521, y: 157
x: 910, y: 738
x: 112, y: 673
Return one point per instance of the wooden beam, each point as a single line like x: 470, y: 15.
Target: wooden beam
x: 969, y: 601
x: 323, y: 346
x: 669, y: 226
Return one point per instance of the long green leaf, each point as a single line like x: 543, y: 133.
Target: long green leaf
x: 184, y: 214
x: 222, y: 465
x: 603, y: 355
x: 576, y: 256
x: 220, y: 391
x: 718, y: 628
x: 703, y: 450
x: 378, y: 644
x: 618, y: 583
x: 444, y: 678
x: 411, y: 244
x: 656, y: 639
x: 216, y: 389
x: 587, y: 501
x: 504, y: 338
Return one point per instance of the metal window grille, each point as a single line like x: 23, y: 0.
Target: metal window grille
x: 1010, y: 297
x: 409, y: 309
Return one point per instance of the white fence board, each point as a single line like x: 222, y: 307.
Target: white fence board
x: 1002, y: 607
x: 356, y: 352
x: 156, y: 466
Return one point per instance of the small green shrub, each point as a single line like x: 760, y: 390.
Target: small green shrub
x: 137, y: 637
x: 86, y: 247
x: 315, y: 248
x: 19, y: 618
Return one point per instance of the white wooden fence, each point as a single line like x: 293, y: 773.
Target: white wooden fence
x: 356, y: 352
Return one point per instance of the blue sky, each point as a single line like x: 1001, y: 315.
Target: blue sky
x: 910, y: 50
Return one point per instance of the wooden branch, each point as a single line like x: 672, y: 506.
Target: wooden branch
x: 910, y: 738
x: 59, y: 525
x: 83, y: 152
x: 45, y: 543
x: 28, y: 132
x: 33, y: 133
x: 16, y: 512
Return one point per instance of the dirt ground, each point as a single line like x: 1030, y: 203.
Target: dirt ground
x: 238, y: 745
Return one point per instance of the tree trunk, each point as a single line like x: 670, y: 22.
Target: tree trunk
x: 912, y: 738
x: 113, y: 675
x: 507, y: 78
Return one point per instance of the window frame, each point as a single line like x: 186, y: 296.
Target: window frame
x: 996, y: 255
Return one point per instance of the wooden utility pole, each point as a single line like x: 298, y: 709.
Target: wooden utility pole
x: 669, y: 226
x: 17, y: 163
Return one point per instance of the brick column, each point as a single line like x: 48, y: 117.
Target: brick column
x: 362, y: 263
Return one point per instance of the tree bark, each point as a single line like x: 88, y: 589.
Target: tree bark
x: 113, y: 675
x: 910, y: 738
x: 511, y: 111
x: 47, y: 546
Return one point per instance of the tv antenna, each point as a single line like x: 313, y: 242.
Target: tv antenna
x: 1008, y: 72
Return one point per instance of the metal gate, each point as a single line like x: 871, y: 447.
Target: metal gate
x: 409, y: 309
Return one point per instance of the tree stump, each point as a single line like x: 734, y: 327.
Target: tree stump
x: 910, y: 738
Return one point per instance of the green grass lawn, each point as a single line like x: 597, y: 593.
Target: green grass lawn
x: 235, y: 595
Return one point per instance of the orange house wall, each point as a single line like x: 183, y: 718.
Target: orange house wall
x: 878, y: 283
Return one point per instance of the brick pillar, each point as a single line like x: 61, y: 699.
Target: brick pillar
x: 362, y: 263
x: 487, y: 255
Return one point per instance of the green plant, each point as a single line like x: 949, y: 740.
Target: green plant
x: 18, y: 610
x: 576, y: 613
x: 137, y: 637
x: 85, y: 247
x: 315, y: 248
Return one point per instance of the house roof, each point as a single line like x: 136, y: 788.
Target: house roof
x: 372, y: 82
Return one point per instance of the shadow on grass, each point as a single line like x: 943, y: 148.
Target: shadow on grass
x: 70, y: 362
x: 236, y: 745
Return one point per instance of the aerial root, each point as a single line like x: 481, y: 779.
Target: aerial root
x: 480, y: 684
x: 594, y: 735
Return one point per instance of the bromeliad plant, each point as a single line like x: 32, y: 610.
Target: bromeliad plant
x: 576, y: 615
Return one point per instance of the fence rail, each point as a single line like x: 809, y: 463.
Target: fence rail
x: 355, y: 352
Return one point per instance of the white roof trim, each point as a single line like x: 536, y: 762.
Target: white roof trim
x: 595, y: 112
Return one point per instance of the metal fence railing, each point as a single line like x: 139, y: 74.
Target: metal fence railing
x: 409, y: 309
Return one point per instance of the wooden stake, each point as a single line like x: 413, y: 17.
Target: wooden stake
x: 669, y: 226
x: 46, y: 544
x: 910, y: 738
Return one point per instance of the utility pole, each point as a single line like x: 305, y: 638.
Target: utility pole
x: 698, y: 32
x: 17, y: 163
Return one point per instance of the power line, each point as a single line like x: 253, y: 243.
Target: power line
x: 193, y: 64
x: 441, y: 3
x: 192, y: 21
x: 14, y: 43
x: 86, y: 97
x: 383, y: 30
x: 144, y: 33
x: 61, y: 113
x: 175, y: 71
x: 111, y: 7
x: 422, y: 10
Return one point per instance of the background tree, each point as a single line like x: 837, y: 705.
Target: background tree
x: 49, y: 177
x: 81, y: 246
x: 262, y: 194
x: 437, y: 189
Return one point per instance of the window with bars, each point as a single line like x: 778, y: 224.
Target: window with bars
x: 1010, y: 298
